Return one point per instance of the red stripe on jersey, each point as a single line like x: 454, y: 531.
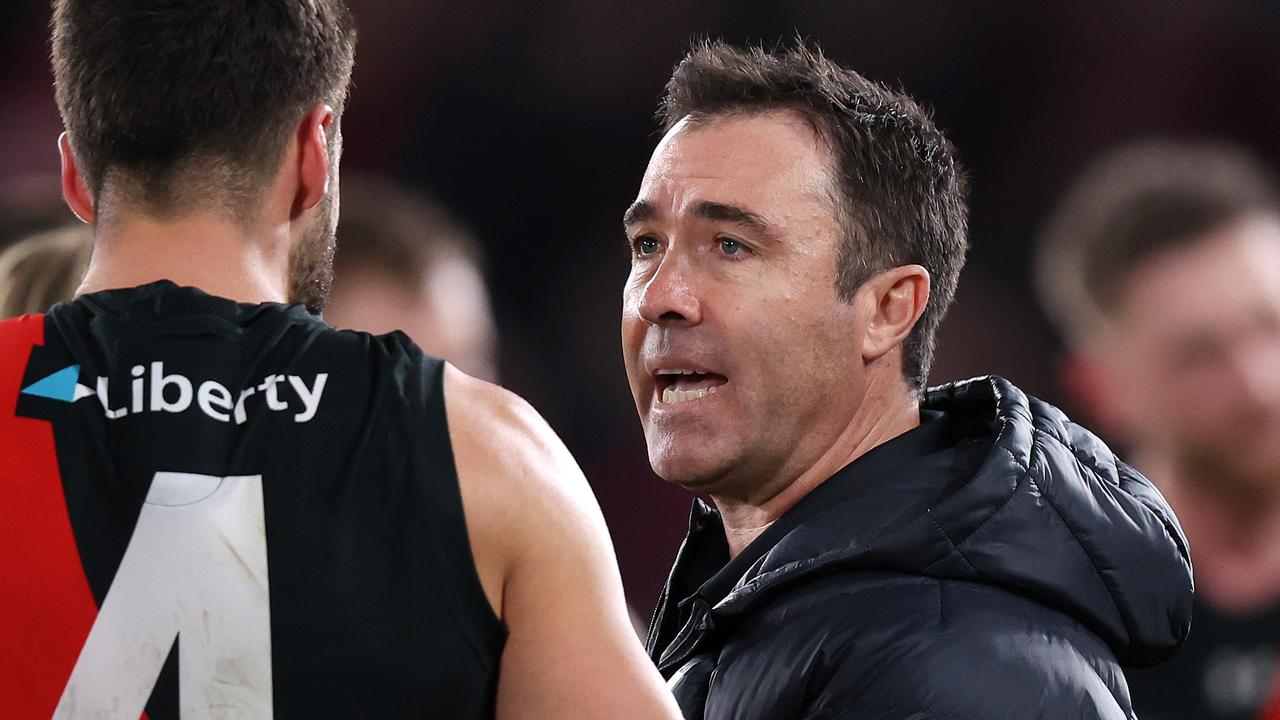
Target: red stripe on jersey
x: 1272, y: 709
x: 46, y: 607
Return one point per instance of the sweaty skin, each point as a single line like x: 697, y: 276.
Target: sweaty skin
x: 537, y: 536
x: 734, y: 239
x: 546, y: 562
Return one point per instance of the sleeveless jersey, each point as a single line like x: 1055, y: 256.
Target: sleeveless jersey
x: 220, y: 510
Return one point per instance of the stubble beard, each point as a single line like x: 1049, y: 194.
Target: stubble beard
x: 311, y: 261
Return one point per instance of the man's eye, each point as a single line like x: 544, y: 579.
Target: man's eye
x: 644, y: 245
x: 731, y: 247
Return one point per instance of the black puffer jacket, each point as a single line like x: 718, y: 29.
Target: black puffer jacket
x: 1007, y: 577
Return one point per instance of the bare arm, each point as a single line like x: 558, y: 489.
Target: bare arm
x: 547, y: 564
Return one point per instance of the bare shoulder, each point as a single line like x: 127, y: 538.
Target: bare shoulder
x: 518, y: 479
x: 546, y: 562
x: 502, y: 444
x: 485, y: 416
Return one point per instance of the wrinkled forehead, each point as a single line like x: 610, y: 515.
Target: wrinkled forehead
x: 770, y: 160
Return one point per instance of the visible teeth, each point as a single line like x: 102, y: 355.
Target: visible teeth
x: 675, y: 371
x: 671, y: 395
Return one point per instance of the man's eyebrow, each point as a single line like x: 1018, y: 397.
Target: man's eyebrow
x: 708, y: 210
x: 640, y: 211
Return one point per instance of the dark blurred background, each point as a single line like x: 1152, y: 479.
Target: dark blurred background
x: 533, y: 122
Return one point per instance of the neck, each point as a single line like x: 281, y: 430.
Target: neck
x: 201, y: 250
x: 880, y: 417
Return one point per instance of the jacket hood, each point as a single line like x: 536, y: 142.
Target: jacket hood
x: 1046, y: 511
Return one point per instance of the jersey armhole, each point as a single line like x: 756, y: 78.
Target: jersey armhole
x: 463, y: 577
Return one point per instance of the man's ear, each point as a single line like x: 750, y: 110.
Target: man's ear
x: 74, y: 191
x: 313, y: 136
x: 896, y: 298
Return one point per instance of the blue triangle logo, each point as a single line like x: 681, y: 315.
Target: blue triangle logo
x: 58, y: 386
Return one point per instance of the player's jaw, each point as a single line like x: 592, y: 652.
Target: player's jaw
x: 311, y: 258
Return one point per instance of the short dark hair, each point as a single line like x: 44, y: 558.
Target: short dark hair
x: 397, y: 233
x: 900, y: 192
x: 1131, y: 204
x: 206, y: 92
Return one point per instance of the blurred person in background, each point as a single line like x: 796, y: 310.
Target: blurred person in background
x: 30, y: 205
x: 404, y: 263
x: 44, y: 249
x: 43, y: 270
x: 872, y: 549
x: 215, y: 504
x: 1161, y: 268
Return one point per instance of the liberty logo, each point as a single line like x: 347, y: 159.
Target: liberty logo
x: 63, y: 385
x: 175, y: 393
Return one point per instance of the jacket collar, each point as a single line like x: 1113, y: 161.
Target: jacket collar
x: 1023, y: 499
x: 704, y: 577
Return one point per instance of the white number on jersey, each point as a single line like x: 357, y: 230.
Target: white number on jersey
x: 195, y: 569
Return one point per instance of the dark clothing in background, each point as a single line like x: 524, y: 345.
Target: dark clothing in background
x: 996, y: 562
x: 1226, y: 671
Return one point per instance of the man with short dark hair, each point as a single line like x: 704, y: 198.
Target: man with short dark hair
x: 871, y: 549
x: 1161, y: 267
x: 216, y: 505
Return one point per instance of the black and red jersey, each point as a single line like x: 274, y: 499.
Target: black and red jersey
x: 212, y: 509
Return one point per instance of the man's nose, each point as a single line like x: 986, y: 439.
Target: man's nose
x: 671, y: 297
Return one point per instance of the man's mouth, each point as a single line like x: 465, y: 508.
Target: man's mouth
x: 678, y: 385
